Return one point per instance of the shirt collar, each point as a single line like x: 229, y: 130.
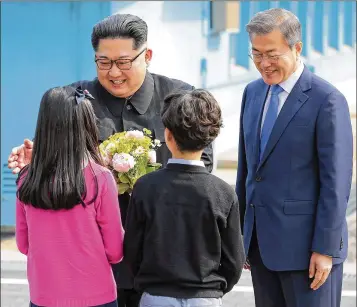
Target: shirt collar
x: 288, y: 84
x: 186, y: 162
x: 142, y: 97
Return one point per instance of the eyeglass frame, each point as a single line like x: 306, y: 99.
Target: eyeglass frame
x: 271, y: 58
x: 115, y: 61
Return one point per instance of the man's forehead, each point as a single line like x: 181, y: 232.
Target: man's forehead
x: 269, y: 42
x: 118, y: 47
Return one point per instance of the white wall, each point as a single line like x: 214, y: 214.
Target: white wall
x: 177, y: 46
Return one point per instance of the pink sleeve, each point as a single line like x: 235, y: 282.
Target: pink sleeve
x: 109, y: 219
x: 21, y: 231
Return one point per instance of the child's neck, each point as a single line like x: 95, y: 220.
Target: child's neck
x: 187, y: 155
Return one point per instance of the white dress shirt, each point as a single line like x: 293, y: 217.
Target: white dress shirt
x: 187, y: 162
x: 287, y: 86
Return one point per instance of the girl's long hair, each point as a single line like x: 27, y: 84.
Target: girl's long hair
x: 66, y: 136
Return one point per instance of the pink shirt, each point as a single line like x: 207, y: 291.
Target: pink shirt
x: 69, y: 251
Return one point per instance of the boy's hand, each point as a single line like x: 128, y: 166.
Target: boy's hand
x: 246, y: 265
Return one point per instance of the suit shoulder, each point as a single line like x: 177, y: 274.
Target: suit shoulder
x: 171, y: 83
x: 324, y: 88
x: 254, y: 85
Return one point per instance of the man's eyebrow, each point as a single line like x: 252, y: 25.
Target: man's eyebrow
x: 126, y: 57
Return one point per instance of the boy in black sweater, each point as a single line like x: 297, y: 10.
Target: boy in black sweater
x: 183, y: 240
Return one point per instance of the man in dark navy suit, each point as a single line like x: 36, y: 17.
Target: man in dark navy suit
x: 294, y: 172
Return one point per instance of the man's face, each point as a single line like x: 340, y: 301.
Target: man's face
x: 121, y: 82
x: 273, y: 57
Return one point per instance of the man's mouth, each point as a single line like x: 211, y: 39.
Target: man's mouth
x: 117, y: 82
x: 269, y: 72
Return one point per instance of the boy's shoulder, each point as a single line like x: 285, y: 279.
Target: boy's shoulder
x: 215, y: 184
x: 221, y: 185
x: 150, y: 178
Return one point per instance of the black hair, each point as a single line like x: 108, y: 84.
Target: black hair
x: 120, y: 26
x: 193, y: 117
x: 66, y: 136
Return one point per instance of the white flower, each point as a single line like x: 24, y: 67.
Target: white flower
x: 135, y: 134
x: 152, y: 156
x: 157, y: 143
x: 139, y: 151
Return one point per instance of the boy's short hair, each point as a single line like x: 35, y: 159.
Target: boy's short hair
x: 193, y: 117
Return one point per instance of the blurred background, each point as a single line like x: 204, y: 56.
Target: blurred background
x: 47, y: 44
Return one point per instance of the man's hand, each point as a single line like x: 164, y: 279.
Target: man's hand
x: 320, y: 268
x: 20, y: 156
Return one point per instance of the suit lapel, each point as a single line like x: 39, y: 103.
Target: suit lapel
x: 260, y: 102
x: 293, y: 103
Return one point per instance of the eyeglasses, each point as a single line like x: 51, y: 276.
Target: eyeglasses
x: 258, y: 57
x: 122, y: 64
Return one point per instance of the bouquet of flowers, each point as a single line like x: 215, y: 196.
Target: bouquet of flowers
x: 130, y: 155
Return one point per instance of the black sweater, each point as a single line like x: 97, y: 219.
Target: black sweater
x: 183, y: 236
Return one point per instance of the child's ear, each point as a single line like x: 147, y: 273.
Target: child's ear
x: 168, y: 135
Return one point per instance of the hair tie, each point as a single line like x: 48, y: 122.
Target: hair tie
x: 81, y: 94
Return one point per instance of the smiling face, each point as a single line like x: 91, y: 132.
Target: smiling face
x: 270, y: 45
x: 122, y: 83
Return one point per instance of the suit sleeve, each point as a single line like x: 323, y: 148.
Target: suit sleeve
x: 134, y: 235
x: 242, y: 166
x: 335, y: 153
x: 233, y: 256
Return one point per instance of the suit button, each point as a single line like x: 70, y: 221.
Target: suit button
x: 252, y: 205
x: 258, y: 178
x: 128, y: 107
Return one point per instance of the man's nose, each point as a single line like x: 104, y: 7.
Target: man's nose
x: 115, y: 71
x: 265, y: 63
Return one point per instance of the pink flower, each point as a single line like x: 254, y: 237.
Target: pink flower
x: 123, y: 162
x: 152, y: 156
x: 135, y: 134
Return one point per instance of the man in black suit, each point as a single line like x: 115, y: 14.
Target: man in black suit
x: 127, y: 96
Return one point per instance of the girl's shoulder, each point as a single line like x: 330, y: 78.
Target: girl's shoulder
x: 97, y: 170
x: 103, y: 177
x: 101, y: 173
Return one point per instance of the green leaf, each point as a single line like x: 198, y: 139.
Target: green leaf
x: 152, y: 167
x: 122, y: 188
x: 156, y: 165
x: 147, y: 131
x: 123, y: 178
